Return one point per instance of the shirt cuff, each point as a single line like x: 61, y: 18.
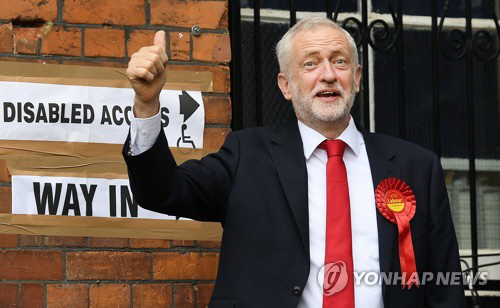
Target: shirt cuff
x: 143, y: 133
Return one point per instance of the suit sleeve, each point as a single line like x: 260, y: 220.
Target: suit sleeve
x: 443, y: 246
x: 197, y: 189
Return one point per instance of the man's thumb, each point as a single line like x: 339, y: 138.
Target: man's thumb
x: 160, y: 39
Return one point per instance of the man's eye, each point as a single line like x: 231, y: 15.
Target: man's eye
x: 340, y: 61
x: 309, y: 64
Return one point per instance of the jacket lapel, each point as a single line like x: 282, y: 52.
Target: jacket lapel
x: 288, y: 155
x: 383, y: 165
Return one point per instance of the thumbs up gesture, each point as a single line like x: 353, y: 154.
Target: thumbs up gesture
x: 147, y: 74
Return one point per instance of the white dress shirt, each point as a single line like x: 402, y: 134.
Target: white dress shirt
x: 363, y: 215
x: 143, y: 134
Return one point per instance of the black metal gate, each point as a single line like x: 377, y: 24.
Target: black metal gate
x: 432, y: 80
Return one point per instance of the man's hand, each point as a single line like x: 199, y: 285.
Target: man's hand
x: 147, y: 74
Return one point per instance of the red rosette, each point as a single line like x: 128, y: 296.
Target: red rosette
x: 396, y: 202
x: 400, y: 186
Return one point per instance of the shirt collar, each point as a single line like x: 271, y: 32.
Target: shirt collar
x: 311, y: 138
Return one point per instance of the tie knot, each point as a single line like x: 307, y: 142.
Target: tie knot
x: 333, y: 147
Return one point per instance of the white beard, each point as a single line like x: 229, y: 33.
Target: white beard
x: 310, y: 110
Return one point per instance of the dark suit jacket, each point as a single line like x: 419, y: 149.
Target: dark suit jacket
x: 256, y: 186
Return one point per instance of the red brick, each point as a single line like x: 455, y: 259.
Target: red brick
x: 220, y: 75
x: 107, y: 242
x: 138, y: 39
x: 109, y: 295
x: 104, y: 43
x: 178, y: 13
x: 64, y: 241
x: 28, y: 9
x: 61, y: 41
x: 108, y: 265
x: 8, y: 240
x: 217, y: 109
x: 31, y: 265
x: 5, y: 200
x: 109, y: 12
x: 8, y: 295
x: 67, y: 295
x: 141, y: 243
x: 6, y: 38
x: 31, y: 240
x: 182, y: 243
x: 32, y: 295
x: 151, y: 295
x: 204, y: 293
x: 213, y: 137
x: 180, y: 46
x: 212, y: 47
x: 209, y: 244
x: 26, y: 40
x: 192, y: 265
x: 183, y: 295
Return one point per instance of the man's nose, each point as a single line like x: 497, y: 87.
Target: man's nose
x: 328, y: 72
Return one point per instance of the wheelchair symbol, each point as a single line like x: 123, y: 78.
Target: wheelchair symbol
x: 185, y: 140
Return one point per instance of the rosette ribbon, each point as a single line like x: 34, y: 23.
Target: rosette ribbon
x: 396, y: 202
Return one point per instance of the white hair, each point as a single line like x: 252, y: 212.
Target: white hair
x: 309, y: 24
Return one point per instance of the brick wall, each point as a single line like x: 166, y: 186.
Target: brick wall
x: 56, y: 271
x: 53, y: 271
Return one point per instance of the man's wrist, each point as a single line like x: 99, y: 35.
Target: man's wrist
x: 146, y: 110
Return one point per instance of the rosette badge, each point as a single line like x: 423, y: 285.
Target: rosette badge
x: 396, y: 202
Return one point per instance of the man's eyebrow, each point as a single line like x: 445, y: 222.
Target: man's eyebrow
x: 337, y: 51
x: 305, y: 53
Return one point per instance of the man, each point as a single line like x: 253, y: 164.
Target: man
x: 272, y: 190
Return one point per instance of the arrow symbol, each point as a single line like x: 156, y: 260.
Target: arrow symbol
x: 187, y: 105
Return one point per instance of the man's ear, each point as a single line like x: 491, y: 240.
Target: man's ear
x: 284, y: 86
x: 357, y: 78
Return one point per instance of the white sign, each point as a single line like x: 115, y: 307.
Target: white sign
x: 68, y: 196
x: 49, y: 112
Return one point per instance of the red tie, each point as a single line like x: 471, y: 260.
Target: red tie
x: 338, y: 287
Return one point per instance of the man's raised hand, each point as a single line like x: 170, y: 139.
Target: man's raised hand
x: 147, y: 74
